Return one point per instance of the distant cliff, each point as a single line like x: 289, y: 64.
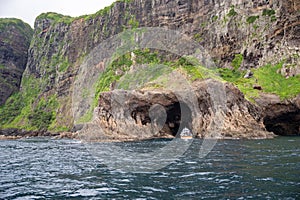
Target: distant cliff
x: 15, y: 38
x: 262, y: 36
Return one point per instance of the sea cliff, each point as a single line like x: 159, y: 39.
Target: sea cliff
x: 254, y: 45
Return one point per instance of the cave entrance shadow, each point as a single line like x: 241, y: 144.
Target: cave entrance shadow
x: 171, y: 118
x: 287, y: 124
x: 179, y: 116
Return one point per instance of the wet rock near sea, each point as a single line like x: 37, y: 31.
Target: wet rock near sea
x: 150, y: 114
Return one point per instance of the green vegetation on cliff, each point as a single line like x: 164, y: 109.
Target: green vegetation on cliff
x: 123, y: 64
x: 15, y: 37
x: 232, y: 12
x: 252, y: 19
x: 46, y: 94
x: 55, y: 17
x: 42, y: 115
x: 23, y: 28
x: 268, y: 78
x: 26, y: 110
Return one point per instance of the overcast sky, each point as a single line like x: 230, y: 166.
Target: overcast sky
x: 28, y: 10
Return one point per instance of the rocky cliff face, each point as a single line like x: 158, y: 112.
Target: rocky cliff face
x: 260, y: 31
x: 15, y: 37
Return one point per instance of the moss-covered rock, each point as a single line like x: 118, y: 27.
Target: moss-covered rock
x: 15, y: 37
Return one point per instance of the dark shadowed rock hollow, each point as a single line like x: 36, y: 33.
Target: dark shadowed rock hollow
x: 281, y: 116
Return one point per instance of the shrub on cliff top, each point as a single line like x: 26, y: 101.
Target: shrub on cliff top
x: 232, y: 12
x: 267, y: 12
x: 237, y: 61
x: 55, y: 17
x: 252, y: 19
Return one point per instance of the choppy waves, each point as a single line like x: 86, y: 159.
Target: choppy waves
x: 59, y: 169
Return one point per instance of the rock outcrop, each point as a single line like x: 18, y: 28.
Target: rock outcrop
x: 15, y: 37
x: 145, y: 114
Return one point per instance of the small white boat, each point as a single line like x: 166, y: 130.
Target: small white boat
x: 186, y: 134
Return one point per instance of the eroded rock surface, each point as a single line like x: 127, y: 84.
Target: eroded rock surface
x: 125, y: 115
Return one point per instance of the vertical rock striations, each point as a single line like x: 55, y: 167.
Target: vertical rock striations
x: 259, y: 31
x: 15, y: 37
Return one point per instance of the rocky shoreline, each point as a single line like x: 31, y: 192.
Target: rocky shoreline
x: 13, y: 134
x: 19, y: 134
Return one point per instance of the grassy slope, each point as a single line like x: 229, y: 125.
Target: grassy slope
x: 266, y: 77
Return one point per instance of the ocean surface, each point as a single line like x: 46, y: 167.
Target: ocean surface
x: 44, y: 168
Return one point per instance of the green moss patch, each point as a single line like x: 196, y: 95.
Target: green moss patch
x: 252, y: 19
x: 56, y: 18
x: 237, y: 61
x: 266, y: 77
x: 26, y: 110
x: 232, y: 12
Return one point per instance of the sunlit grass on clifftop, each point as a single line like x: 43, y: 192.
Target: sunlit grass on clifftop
x: 266, y: 77
x: 59, y: 18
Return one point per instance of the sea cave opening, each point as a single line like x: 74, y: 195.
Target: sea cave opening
x: 171, y: 118
x: 179, y: 116
x: 287, y: 124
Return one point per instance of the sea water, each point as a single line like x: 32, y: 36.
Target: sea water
x: 44, y: 168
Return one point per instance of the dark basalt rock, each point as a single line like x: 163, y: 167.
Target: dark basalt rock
x: 15, y: 37
x: 12, y: 132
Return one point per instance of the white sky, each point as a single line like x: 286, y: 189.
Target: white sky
x: 28, y: 10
